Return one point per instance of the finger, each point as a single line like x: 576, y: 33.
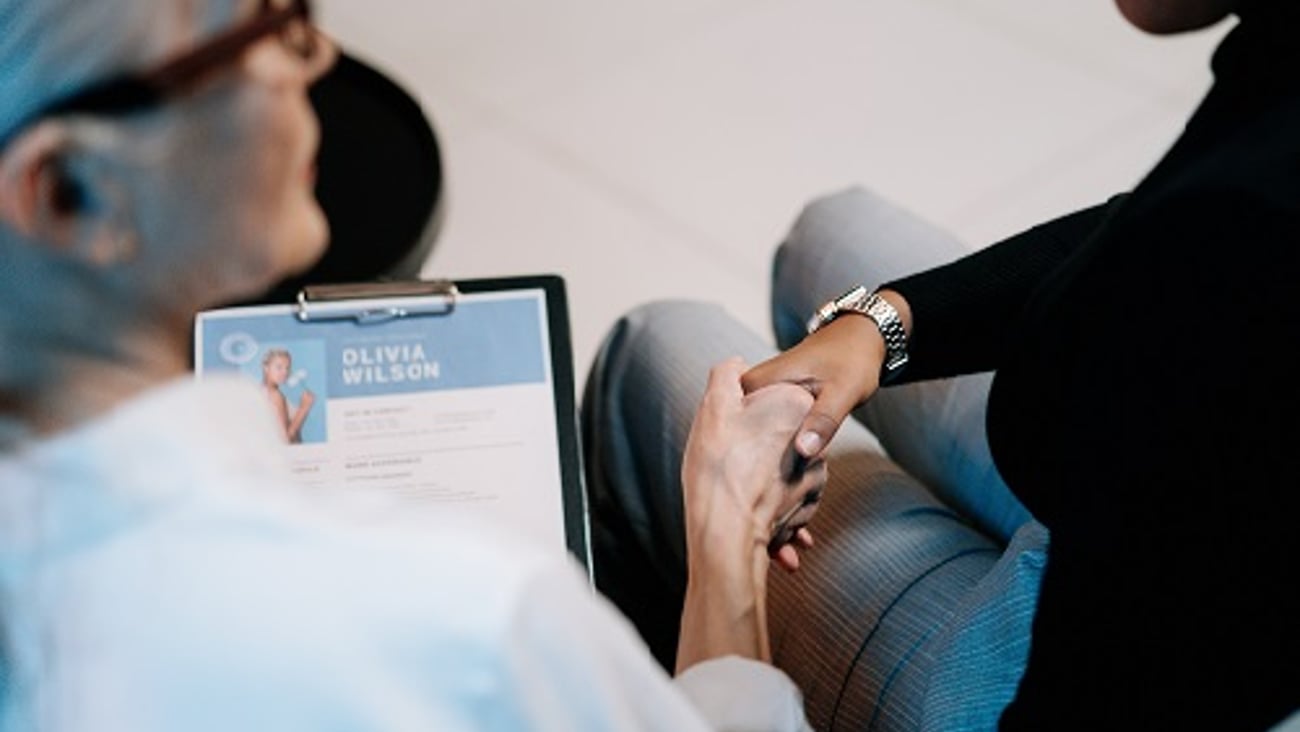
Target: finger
x: 798, y: 520
x: 789, y: 529
x: 832, y: 405
x: 793, y: 465
x: 787, y: 558
x: 803, y: 538
x: 782, y: 532
x: 782, y: 368
x: 801, y: 498
x: 724, y: 379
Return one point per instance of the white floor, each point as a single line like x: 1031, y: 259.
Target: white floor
x: 660, y: 149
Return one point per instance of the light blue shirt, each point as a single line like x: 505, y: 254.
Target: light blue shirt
x: 159, y: 571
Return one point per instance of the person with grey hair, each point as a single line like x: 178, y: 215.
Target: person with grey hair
x: 157, y: 571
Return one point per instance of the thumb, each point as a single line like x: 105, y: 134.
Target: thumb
x: 823, y: 420
x: 724, y: 379
x: 785, y: 367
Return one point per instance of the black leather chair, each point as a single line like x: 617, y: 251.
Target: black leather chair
x: 379, y: 179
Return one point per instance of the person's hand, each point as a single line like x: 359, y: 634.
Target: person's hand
x: 738, y: 471
x: 307, y: 399
x: 737, y: 479
x: 839, y: 365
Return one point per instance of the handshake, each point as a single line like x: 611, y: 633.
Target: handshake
x: 767, y: 427
x: 747, y: 497
x: 742, y: 478
x: 757, y: 440
x: 753, y: 474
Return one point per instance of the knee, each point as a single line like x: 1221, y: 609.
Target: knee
x: 654, y: 325
x: 826, y: 218
x: 650, y: 334
x: 826, y: 251
x: 857, y: 221
x: 831, y: 210
x: 856, y: 236
x: 672, y: 344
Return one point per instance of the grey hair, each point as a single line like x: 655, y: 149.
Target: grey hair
x: 49, y: 48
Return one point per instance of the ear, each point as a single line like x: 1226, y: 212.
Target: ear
x: 43, y: 200
x: 32, y: 185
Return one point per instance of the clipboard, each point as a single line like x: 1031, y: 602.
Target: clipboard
x: 454, y: 396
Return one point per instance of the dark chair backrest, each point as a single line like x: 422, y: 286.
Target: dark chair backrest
x: 380, y: 179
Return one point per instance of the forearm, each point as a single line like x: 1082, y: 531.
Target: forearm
x: 295, y: 425
x: 734, y: 486
x: 959, y: 313
x: 725, y: 612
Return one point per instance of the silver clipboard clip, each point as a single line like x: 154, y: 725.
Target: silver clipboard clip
x: 400, y: 300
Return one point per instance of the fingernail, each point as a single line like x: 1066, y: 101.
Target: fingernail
x: 809, y: 443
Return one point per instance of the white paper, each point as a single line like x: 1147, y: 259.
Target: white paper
x: 447, y: 413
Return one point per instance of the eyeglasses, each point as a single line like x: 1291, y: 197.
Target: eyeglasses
x: 141, y: 91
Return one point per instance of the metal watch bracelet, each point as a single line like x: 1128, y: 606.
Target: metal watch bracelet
x: 859, y: 300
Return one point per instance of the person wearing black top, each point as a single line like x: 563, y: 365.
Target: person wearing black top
x: 1142, y: 408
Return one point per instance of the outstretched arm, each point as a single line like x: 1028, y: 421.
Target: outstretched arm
x: 293, y: 429
x: 737, y: 478
x: 956, y: 318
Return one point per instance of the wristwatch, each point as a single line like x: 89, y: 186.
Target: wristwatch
x: 886, y: 318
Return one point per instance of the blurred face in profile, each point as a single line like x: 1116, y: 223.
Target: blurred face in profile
x: 214, y: 183
x: 1175, y: 16
x: 276, y: 370
x: 240, y: 194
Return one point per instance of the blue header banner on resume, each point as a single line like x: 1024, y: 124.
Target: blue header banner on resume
x: 483, y: 343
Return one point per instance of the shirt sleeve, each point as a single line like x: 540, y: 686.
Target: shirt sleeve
x: 574, y: 663
x: 961, y: 311
x: 735, y: 693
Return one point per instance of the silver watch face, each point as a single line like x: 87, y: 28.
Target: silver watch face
x: 849, y: 301
x: 860, y: 301
x: 856, y: 300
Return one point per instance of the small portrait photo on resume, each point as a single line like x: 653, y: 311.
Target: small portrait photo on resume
x: 292, y: 376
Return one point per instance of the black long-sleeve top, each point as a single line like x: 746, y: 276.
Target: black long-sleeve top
x: 1146, y: 408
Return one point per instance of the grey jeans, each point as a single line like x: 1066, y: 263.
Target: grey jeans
x: 913, y: 610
